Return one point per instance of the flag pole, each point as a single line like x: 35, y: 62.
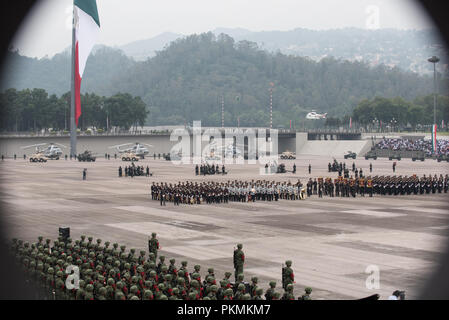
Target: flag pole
x: 72, y: 88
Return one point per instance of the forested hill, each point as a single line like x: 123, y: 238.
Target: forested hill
x: 53, y: 74
x: 185, y: 81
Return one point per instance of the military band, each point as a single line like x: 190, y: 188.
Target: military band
x: 224, y: 192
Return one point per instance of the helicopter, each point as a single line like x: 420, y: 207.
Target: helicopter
x: 134, y: 152
x: 52, y: 151
x: 313, y: 115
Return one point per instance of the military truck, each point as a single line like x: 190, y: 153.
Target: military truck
x: 129, y: 156
x: 287, y: 155
x: 372, y: 154
x: 350, y: 154
x: 418, y: 155
x: 395, y: 156
x: 38, y: 157
x: 86, y: 156
x: 442, y: 158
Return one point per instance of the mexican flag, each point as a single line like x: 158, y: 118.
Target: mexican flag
x: 87, y: 28
x: 434, y: 138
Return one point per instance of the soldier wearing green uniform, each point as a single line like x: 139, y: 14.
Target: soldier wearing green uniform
x: 288, y: 294
x: 306, y: 296
x: 270, y: 292
x: 153, y: 245
x: 239, y: 260
x: 288, y: 276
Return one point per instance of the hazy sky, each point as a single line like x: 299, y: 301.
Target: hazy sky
x: 47, y: 30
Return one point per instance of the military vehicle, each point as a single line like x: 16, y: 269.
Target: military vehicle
x: 132, y: 150
x: 418, y: 155
x: 38, y: 157
x: 442, y: 158
x: 287, y: 155
x: 350, y: 154
x: 372, y: 154
x: 395, y: 156
x: 86, y: 156
x: 51, y: 152
x: 281, y: 168
x: 129, y: 156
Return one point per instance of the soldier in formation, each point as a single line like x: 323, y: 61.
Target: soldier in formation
x: 380, y: 185
x: 223, y: 192
x: 110, y: 273
x: 133, y: 171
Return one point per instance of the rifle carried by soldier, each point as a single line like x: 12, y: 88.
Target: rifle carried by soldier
x: 283, y: 276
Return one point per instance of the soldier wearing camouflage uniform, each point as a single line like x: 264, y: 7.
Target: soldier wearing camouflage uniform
x: 239, y: 260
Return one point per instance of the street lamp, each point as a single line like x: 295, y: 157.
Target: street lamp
x: 434, y: 60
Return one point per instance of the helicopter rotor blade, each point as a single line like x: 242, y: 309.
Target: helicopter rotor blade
x: 120, y: 145
x: 61, y: 145
x: 34, y: 145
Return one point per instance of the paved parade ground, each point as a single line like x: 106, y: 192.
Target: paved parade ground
x: 331, y: 241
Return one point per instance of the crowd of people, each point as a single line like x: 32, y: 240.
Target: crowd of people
x: 224, y: 192
x: 211, y: 192
x: 110, y: 273
x: 442, y: 145
x: 134, y: 171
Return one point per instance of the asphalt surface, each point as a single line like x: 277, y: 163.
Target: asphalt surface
x: 334, y: 243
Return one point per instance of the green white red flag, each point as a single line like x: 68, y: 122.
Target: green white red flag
x: 434, y: 138
x: 87, y: 29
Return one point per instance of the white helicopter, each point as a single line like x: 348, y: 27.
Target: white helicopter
x: 313, y: 115
x: 138, y: 149
x: 52, y: 151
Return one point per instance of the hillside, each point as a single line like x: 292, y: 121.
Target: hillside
x: 406, y: 49
x: 185, y: 81
x: 53, y: 74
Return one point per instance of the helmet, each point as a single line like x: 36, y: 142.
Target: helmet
x: 246, y: 296
x: 228, y: 292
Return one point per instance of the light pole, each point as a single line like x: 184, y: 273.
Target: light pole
x: 222, y: 112
x: 434, y: 60
x: 271, y: 104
